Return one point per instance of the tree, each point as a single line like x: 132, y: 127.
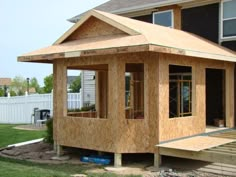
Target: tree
x: 12, y: 93
x: 76, y: 85
x: 1, y: 92
x: 19, y: 85
x: 48, y: 84
x: 34, y: 83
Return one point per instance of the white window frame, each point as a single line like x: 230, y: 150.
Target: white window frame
x: 228, y: 38
x: 160, y: 12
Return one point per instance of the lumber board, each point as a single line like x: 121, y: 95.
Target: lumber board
x: 202, y: 155
x: 192, y: 144
x: 221, y: 150
x: 226, y: 148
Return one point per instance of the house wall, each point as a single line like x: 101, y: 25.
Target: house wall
x: 176, y: 13
x: 88, y: 87
x: 114, y: 134
x: 202, y: 20
x: 120, y: 135
x: 230, y: 44
x: 195, y: 124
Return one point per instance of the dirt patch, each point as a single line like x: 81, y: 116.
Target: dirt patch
x: 31, y: 127
x: 38, y: 152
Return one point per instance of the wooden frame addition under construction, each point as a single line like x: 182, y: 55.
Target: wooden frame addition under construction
x: 112, y: 45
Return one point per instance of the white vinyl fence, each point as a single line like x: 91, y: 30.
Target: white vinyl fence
x: 19, y: 109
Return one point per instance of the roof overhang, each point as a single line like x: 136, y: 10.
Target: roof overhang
x: 135, y: 37
x: 49, y: 57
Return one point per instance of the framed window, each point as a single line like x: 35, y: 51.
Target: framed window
x: 180, y: 91
x: 164, y: 18
x: 134, y: 91
x: 228, y: 16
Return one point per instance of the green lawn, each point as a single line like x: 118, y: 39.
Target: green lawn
x: 9, y: 135
x: 20, y: 168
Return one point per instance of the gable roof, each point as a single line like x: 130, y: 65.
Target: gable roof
x: 138, y: 36
x: 126, y: 6
x: 101, y: 17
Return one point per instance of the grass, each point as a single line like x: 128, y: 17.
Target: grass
x: 21, y: 168
x: 9, y: 135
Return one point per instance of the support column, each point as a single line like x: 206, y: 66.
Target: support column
x: 157, y: 160
x: 59, y: 150
x: 229, y: 95
x: 59, y: 100
x: 117, y: 160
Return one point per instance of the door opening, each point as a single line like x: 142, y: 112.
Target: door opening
x: 215, y: 96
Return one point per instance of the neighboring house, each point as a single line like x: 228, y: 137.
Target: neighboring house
x: 172, y: 74
x: 88, y: 88
x: 5, y: 84
x: 214, y: 20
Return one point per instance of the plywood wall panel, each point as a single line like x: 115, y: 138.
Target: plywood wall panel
x: 195, y: 124
x: 120, y: 135
x: 94, y: 27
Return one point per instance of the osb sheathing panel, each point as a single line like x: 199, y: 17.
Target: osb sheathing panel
x: 114, y: 134
x: 59, y: 94
x: 94, y: 28
x: 195, y: 124
x: 120, y: 135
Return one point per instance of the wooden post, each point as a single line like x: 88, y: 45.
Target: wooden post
x: 229, y: 86
x: 157, y: 160
x: 59, y: 102
x: 117, y: 160
x: 59, y: 150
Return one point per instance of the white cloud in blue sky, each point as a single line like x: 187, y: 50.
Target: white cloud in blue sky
x: 26, y: 25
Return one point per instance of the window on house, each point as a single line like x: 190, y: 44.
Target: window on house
x: 228, y: 18
x: 134, y: 91
x: 164, y: 18
x: 180, y: 91
x: 92, y: 99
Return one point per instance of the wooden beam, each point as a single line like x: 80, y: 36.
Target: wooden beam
x: 202, y: 155
x: 93, y: 52
x: 184, y: 52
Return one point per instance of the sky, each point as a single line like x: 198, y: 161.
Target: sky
x: 27, y: 25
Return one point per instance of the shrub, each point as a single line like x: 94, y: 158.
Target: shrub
x: 49, y: 132
x: 88, y: 108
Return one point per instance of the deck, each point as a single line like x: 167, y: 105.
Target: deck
x: 217, y: 147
